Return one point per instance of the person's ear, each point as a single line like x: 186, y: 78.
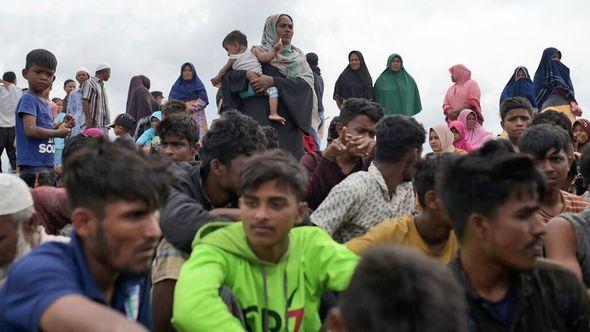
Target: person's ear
x: 479, y: 225
x: 25, y: 72
x: 195, y: 149
x: 302, y: 212
x: 83, y: 221
x: 502, y: 125
x: 339, y: 128
x: 431, y: 200
x: 334, y: 321
x: 217, y: 167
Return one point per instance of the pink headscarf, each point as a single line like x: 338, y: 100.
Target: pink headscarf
x: 463, y: 91
x: 445, y: 136
x: 477, y: 136
x: 93, y: 132
x: 461, y: 143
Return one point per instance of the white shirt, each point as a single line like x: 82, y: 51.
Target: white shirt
x: 9, y: 97
x: 246, y: 61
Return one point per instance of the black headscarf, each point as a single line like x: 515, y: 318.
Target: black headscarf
x: 312, y: 60
x: 355, y: 83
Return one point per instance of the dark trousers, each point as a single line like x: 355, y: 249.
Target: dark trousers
x: 7, y: 142
x: 38, y: 176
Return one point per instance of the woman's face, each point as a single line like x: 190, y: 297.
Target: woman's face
x: 456, y: 134
x: 187, y: 73
x: 285, y: 29
x: 556, y: 56
x: 580, y: 134
x: 470, y: 122
x: 434, y: 141
x: 520, y: 74
x: 354, y: 61
x: 155, y: 122
x: 396, y: 64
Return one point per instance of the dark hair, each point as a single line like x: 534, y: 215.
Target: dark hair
x: 272, y: 137
x: 157, y: 94
x: 75, y: 144
x: 173, y: 106
x: 56, y: 99
x: 584, y: 163
x: 230, y: 136
x: 68, y: 81
x: 180, y: 125
x: 235, y: 36
x: 555, y: 118
x: 424, y: 177
x: 271, y: 165
x: 353, y: 107
x: 538, y: 140
x: 394, y: 288
x: 332, y: 129
x: 312, y: 60
x: 9, y: 76
x: 484, y: 180
x: 104, y: 172
x: 42, y: 58
x: 396, y: 136
x: 514, y: 102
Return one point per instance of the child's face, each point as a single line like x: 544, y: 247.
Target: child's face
x: 119, y: 130
x: 232, y: 48
x: 39, y: 78
x: 60, y: 106
x: 155, y: 122
x: 455, y: 134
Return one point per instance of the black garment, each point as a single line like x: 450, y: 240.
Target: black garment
x: 295, y: 105
x: 38, y: 176
x: 7, y: 136
x: 549, y: 298
x: 187, y: 206
x: 355, y: 83
x: 318, y: 86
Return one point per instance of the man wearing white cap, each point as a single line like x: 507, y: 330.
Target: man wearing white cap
x: 94, y: 99
x: 74, y: 106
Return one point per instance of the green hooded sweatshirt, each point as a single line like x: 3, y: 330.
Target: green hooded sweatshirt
x: 221, y: 256
x: 397, y: 92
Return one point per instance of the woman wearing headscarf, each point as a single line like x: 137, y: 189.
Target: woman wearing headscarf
x: 464, y: 93
x: 189, y: 88
x: 475, y: 133
x: 441, y: 139
x: 460, y: 141
x: 318, y: 87
x: 289, y: 72
x: 581, y: 134
x: 520, y: 85
x: 355, y: 81
x: 140, y: 102
x: 553, y: 86
x: 396, y: 90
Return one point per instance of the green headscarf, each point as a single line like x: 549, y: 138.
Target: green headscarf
x: 397, y: 92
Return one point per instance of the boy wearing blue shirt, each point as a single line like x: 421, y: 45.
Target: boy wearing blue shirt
x: 35, y: 130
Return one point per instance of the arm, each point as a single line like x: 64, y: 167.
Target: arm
x: 561, y: 244
x: 339, y: 207
x: 87, y: 114
x: 162, y: 298
x: 233, y: 214
x: 228, y: 65
x: 31, y: 129
x: 339, y: 101
x: 264, y: 56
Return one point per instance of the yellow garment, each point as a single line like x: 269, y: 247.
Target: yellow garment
x: 565, y: 109
x: 401, y: 231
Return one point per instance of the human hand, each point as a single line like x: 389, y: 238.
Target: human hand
x: 334, y: 149
x: 262, y: 83
x: 576, y: 110
x: 62, y: 130
x: 69, y: 121
x: 360, y: 146
x: 215, y: 80
x: 278, y: 45
x: 252, y: 75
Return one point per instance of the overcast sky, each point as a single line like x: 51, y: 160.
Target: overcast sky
x: 154, y: 38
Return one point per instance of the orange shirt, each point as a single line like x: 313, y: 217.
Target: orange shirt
x: 571, y: 203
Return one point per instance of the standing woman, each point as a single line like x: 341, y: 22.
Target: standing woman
x: 355, y: 81
x: 396, y: 90
x: 140, y: 102
x: 553, y: 86
x: 189, y: 88
x: 520, y: 85
x: 464, y: 93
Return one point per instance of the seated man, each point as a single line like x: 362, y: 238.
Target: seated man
x: 428, y: 231
x: 97, y: 281
x: 549, y: 146
x: 275, y: 271
x: 365, y: 199
x: 349, y: 153
x: 179, y: 138
x: 399, y: 289
x: 493, y: 200
x: 516, y: 114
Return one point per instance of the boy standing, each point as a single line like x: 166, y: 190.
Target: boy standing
x: 35, y: 130
x: 122, y: 127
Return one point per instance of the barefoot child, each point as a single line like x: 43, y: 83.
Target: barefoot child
x: 242, y: 58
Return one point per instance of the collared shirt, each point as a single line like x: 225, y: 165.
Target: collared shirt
x: 94, y: 92
x: 9, y: 96
x: 549, y: 297
x: 167, y: 262
x: 361, y: 201
x: 54, y: 270
x: 75, y: 109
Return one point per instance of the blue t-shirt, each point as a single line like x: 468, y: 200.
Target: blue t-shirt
x: 54, y: 270
x: 146, y: 138
x: 31, y: 151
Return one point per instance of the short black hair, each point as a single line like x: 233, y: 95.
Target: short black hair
x: 555, y: 118
x: 42, y: 58
x: 396, y: 136
x: 272, y: 137
x: 230, y: 136
x: 9, y: 76
x: 75, y: 144
x: 353, y: 107
x: 424, y: 177
x: 538, y: 140
x: 104, y: 172
x: 484, y: 180
x: 157, y: 94
x: 584, y: 163
x: 332, y: 128
x: 68, y: 81
x: 180, y: 125
x: 173, y: 106
x: 394, y: 288
x: 235, y: 36
x: 514, y: 102
x: 271, y: 165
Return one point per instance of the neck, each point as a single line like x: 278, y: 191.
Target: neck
x: 212, y: 188
x: 514, y: 141
x: 489, y: 279
x: 392, y: 175
x: 430, y: 227
x: 347, y: 158
x: 271, y: 254
x: 551, y: 198
x: 104, y: 276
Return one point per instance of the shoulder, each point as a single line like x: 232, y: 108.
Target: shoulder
x: 553, y: 275
x: 310, y: 236
x: 51, y: 261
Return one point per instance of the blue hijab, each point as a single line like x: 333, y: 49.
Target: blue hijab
x: 521, y: 87
x: 552, y: 74
x: 188, y: 90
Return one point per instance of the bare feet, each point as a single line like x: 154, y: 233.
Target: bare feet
x: 277, y: 118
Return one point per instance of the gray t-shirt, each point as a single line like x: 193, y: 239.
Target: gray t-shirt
x: 581, y: 223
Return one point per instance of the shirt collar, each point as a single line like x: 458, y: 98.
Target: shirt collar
x: 378, y: 177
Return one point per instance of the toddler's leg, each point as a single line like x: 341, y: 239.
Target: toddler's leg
x: 273, y: 103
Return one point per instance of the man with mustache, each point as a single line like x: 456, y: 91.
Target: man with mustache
x: 493, y: 198
x: 99, y: 280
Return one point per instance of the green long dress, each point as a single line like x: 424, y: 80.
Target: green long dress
x: 397, y: 92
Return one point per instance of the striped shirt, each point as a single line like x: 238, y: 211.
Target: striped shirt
x: 571, y: 204
x: 94, y: 92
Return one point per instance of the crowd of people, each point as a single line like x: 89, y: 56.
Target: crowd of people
x: 244, y: 223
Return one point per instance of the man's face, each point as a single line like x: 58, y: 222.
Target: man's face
x: 514, y: 235
x: 362, y: 125
x: 269, y: 212
x: 515, y: 122
x: 106, y: 74
x: 82, y: 77
x: 8, y: 241
x: 555, y: 165
x: 177, y: 148
x: 126, y: 239
x: 70, y: 86
x: 39, y: 78
x: 230, y: 177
